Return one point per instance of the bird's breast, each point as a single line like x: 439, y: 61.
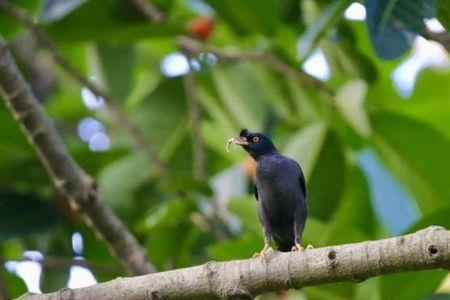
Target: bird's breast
x: 277, y: 187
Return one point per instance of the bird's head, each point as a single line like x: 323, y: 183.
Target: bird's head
x: 255, y: 143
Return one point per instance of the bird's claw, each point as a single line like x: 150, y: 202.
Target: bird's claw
x: 264, y: 251
x: 298, y: 247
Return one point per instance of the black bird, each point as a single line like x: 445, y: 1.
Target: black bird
x: 280, y: 191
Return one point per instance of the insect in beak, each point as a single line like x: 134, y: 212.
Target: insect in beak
x: 238, y: 140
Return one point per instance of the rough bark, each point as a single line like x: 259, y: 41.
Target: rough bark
x: 425, y: 249
x: 63, y: 170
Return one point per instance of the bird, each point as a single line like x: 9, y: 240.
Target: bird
x: 280, y: 191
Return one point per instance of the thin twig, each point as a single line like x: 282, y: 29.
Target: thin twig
x: 65, y: 173
x: 194, y: 124
x: 194, y: 47
x: 149, y: 10
x: 442, y: 38
x: 42, y: 38
x: 244, y: 279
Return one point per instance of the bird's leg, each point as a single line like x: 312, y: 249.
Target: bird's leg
x: 264, y: 251
x: 267, y: 230
x: 267, y: 248
x: 298, y: 229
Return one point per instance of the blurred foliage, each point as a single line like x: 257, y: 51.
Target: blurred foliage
x: 183, y: 221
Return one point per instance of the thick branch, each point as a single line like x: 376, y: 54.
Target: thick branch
x: 194, y: 47
x: 442, y: 38
x: 42, y: 38
x: 194, y: 124
x: 425, y: 249
x: 63, y: 170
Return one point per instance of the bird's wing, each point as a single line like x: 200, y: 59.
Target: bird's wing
x: 302, y: 180
x: 255, y: 191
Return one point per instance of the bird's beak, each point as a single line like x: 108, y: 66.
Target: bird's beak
x: 238, y: 140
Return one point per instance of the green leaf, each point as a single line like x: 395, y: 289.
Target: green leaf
x: 54, y: 279
x: 334, y: 291
x: 368, y: 290
x: 327, y: 179
x: 10, y: 27
x: 437, y: 218
x: 392, y: 24
x: 118, y: 180
x: 94, y: 249
x: 350, y: 101
x: 14, y: 284
x: 216, y: 112
x: 246, y: 209
x: 215, y: 140
x: 234, y: 87
x: 354, y: 219
x: 244, y: 247
x: 426, y: 103
x: 160, y: 112
x: 247, y: 16
x: 305, y: 146
x: 316, y: 232
x: 410, y: 285
x: 412, y: 150
x: 171, y: 213
x: 268, y: 88
x: 117, y: 66
x: 443, y: 13
x: 317, y: 29
x: 183, y: 181
x: 24, y: 214
x: 107, y: 20
x: 170, y: 232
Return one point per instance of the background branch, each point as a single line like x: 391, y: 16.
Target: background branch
x: 442, y: 38
x: 195, y: 47
x: 41, y: 37
x: 149, y: 10
x: 244, y: 279
x: 198, y: 150
x: 63, y: 170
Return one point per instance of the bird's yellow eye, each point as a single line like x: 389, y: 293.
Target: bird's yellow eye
x: 255, y: 139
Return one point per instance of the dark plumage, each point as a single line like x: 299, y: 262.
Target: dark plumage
x: 280, y: 191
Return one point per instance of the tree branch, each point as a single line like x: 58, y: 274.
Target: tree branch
x: 442, y: 38
x: 149, y: 10
x: 63, y: 170
x: 136, y: 135
x: 194, y: 124
x: 244, y: 279
x: 195, y: 47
